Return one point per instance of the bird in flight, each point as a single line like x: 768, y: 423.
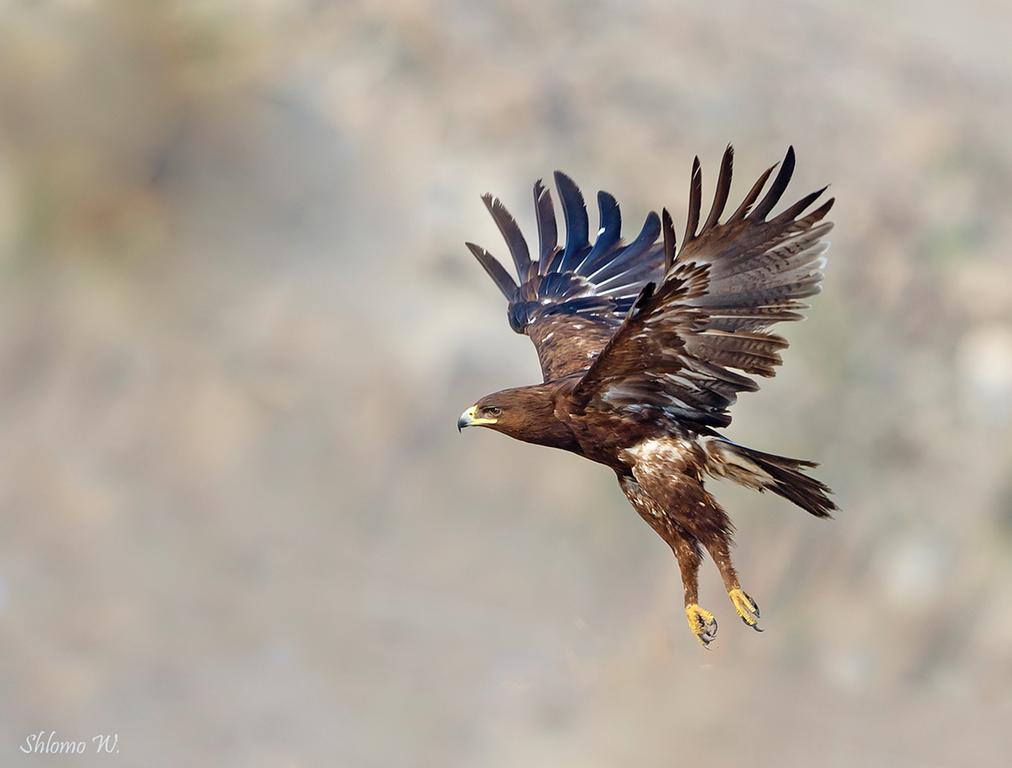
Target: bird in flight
x: 644, y: 347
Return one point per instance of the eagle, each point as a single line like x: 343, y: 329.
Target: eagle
x: 644, y: 346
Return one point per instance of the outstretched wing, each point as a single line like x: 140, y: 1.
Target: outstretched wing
x: 571, y: 300
x: 689, y: 347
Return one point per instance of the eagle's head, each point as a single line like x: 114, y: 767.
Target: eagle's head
x: 502, y: 411
x: 480, y: 414
x: 525, y: 413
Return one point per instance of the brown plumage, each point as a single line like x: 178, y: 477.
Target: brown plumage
x: 644, y: 348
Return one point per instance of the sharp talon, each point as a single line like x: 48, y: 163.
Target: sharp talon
x: 747, y: 608
x: 755, y: 605
x: 702, y: 624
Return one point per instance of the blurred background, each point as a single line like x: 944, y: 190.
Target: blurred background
x: 238, y: 323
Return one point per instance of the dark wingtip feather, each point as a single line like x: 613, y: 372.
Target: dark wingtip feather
x: 611, y: 218
x: 608, y: 236
x: 548, y: 233
x: 669, y: 240
x: 577, y: 225
x: 753, y: 193
x: 777, y: 188
x: 607, y: 205
x: 495, y: 270
x: 810, y: 220
x: 723, y: 189
x: 511, y: 234
x: 799, y: 207
x: 819, y: 213
x: 695, y: 200
x: 648, y: 234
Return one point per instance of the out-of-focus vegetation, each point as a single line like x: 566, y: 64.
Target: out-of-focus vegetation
x: 237, y: 525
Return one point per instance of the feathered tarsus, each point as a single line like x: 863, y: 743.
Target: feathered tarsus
x: 645, y: 345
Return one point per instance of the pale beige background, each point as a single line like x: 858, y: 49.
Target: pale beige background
x: 237, y: 324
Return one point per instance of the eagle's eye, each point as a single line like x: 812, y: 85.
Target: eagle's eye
x: 493, y: 411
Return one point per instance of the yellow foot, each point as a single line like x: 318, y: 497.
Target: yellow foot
x: 747, y: 608
x: 702, y: 623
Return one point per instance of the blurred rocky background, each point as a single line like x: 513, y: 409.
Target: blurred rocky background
x: 237, y: 324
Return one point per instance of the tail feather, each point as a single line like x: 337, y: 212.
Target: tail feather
x: 769, y: 472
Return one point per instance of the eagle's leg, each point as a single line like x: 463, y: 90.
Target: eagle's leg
x: 689, y: 557
x: 687, y: 552
x: 717, y: 540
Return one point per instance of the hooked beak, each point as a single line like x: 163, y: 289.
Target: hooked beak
x: 470, y: 418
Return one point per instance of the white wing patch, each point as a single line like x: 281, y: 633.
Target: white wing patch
x: 659, y: 457
x: 671, y: 448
